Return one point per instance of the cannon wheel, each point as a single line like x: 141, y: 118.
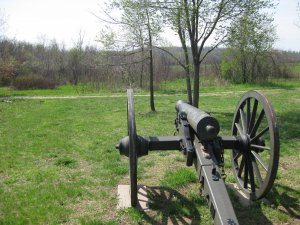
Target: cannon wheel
x: 255, y: 162
x: 132, y: 147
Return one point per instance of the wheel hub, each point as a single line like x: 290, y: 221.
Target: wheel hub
x: 245, y: 142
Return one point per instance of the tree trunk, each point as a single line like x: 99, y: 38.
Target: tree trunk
x: 182, y: 37
x: 196, y: 84
x: 244, y: 70
x: 151, y: 63
x: 75, y: 77
x: 189, y: 88
x: 254, y: 73
x: 142, y: 69
x: 151, y: 76
x: 187, y: 74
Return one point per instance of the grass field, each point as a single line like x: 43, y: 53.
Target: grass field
x: 58, y: 164
x: 208, y: 85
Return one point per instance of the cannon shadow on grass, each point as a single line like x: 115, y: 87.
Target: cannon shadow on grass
x: 286, y: 200
x: 248, y: 214
x: 281, y: 198
x: 168, y: 206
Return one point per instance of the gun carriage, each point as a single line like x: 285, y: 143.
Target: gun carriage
x: 254, y: 146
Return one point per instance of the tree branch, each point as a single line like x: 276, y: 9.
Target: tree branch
x: 173, y: 56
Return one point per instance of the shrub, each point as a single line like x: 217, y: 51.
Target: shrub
x: 32, y: 82
x: 7, y: 71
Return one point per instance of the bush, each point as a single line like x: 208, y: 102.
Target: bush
x: 7, y: 71
x: 32, y: 82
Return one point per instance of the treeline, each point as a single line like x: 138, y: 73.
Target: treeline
x: 58, y: 65
x: 24, y: 65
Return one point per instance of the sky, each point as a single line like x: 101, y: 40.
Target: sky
x: 39, y: 21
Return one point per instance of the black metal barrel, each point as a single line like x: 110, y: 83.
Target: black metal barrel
x: 206, y: 126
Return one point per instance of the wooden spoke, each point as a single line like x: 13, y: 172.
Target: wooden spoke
x: 241, y: 167
x: 260, y: 160
x: 240, y: 130
x: 261, y: 147
x: 257, y: 123
x: 237, y: 156
x: 250, y: 168
x: 243, y: 119
x: 246, y: 174
x: 260, y: 134
x: 248, y: 106
x: 256, y: 171
x: 253, y: 115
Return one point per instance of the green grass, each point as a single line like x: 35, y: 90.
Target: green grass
x: 58, y: 163
x: 208, y: 85
x: 62, y: 90
x: 178, y: 178
x: 211, y: 84
x: 55, y: 155
x: 66, y: 90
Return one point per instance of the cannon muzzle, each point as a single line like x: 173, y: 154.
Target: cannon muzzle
x: 206, y: 126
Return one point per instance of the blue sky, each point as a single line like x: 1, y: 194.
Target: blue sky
x: 38, y: 20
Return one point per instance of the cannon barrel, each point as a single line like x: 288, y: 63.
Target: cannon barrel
x: 206, y: 126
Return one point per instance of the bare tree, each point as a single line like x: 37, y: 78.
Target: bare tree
x: 173, y: 14
x: 205, y: 23
x: 142, y: 24
x: 76, y: 58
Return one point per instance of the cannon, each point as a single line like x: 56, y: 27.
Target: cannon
x: 253, y: 143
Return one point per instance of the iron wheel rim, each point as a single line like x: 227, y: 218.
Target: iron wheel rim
x: 132, y: 147
x: 255, y: 168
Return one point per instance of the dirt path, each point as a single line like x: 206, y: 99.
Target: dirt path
x: 226, y: 93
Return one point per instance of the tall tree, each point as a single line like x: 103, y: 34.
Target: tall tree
x: 150, y: 46
x: 174, y: 15
x: 75, y: 59
x: 206, y: 23
x: 250, y: 43
x: 142, y: 24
